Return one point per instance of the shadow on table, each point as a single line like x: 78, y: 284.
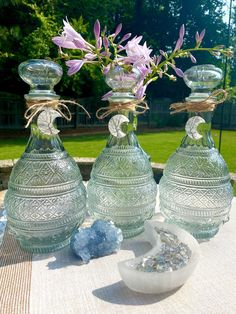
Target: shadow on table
x: 118, y: 293
x: 62, y: 259
x: 138, y: 247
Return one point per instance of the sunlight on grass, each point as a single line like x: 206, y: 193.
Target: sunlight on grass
x: 159, y: 145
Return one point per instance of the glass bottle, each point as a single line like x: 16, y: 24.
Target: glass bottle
x: 46, y: 198
x: 122, y: 187
x: 195, y: 190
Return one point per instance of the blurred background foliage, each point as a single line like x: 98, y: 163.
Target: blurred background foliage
x: 26, y: 29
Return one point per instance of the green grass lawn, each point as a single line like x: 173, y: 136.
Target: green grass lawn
x: 158, y: 145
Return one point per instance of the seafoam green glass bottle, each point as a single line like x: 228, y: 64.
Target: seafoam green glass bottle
x: 195, y: 190
x: 46, y: 198
x: 122, y: 187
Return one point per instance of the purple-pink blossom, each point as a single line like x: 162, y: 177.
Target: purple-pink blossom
x: 137, y: 54
x: 107, y: 95
x: 90, y: 56
x: 118, y: 29
x: 106, y: 69
x: 182, y: 31
x: 193, y: 59
x: 97, y: 29
x: 163, y: 53
x: 105, y: 42
x: 179, y: 44
x: 179, y: 72
x: 71, y: 39
x: 144, y: 71
x: 125, y: 37
x: 199, y: 37
x: 140, y: 92
x: 157, y: 59
x: 74, y: 66
x: 180, y: 40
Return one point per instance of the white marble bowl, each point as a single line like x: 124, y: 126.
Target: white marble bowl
x: 154, y: 282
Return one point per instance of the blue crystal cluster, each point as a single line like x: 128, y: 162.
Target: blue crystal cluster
x: 101, y: 239
x: 3, y: 223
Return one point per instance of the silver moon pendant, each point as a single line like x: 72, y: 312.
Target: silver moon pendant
x: 45, y: 121
x: 191, y: 127
x: 114, y: 125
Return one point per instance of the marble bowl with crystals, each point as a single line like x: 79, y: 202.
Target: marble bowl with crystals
x: 167, y: 266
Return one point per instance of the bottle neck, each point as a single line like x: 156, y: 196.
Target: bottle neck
x: 43, y: 137
x: 128, y: 128
x: 198, y: 130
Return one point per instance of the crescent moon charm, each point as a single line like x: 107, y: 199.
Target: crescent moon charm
x: 114, y: 125
x: 191, y: 127
x: 45, y: 121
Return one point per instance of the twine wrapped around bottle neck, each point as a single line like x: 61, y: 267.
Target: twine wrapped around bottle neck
x: 117, y: 106
x: 35, y: 106
x: 206, y: 105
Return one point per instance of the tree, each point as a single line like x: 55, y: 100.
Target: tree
x: 27, y: 26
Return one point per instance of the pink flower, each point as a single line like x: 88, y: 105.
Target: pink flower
x: 71, y: 39
x: 137, y: 54
x: 193, y: 59
x: 157, y: 59
x: 105, y: 42
x: 96, y: 29
x: 125, y: 37
x: 62, y: 42
x: 140, y: 92
x: 144, y: 70
x: 74, y: 66
x: 182, y: 31
x: 179, y: 44
x: 99, y: 43
x: 106, y: 69
x: 180, y: 40
x: 107, y: 95
x: 118, y: 29
x: 200, y: 37
x: 179, y: 72
x: 90, y: 56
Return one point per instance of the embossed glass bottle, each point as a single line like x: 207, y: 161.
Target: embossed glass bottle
x: 195, y: 190
x: 46, y: 199
x: 122, y: 187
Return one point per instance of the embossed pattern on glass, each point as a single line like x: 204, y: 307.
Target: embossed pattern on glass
x: 122, y: 187
x: 46, y: 198
x: 195, y: 190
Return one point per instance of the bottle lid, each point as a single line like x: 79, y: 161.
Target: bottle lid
x: 202, y: 79
x: 42, y: 76
x: 122, y: 82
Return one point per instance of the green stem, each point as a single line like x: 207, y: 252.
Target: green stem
x: 174, y: 55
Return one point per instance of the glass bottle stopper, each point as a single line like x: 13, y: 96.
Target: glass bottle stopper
x: 202, y: 79
x: 122, y: 82
x: 42, y: 76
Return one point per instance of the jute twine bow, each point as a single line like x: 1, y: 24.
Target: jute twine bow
x: 130, y: 105
x: 209, y: 104
x: 35, y: 106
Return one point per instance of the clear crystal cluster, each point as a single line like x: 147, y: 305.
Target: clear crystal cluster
x: 101, y: 239
x: 172, y: 256
x: 3, y: 222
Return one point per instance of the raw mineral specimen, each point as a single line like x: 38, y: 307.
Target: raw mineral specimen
x: 173, y: 254
x: 101, y: 239
x: 3, y: 222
